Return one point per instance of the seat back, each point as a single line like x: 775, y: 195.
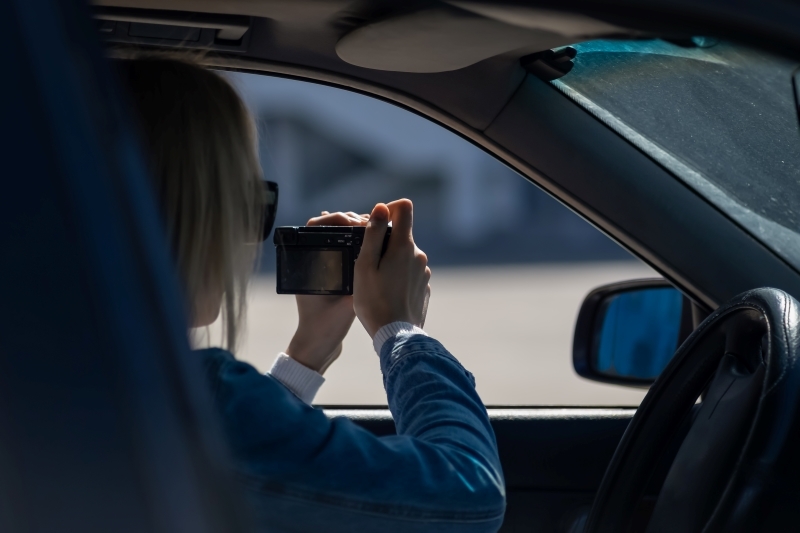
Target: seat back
x: 105, y: 421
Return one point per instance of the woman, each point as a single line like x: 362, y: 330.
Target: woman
x: 301, y: 470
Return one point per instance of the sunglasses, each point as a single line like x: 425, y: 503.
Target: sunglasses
x: 270, y: 191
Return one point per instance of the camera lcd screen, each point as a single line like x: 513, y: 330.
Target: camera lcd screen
x: 311, y: 270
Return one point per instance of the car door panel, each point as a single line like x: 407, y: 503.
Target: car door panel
x: 553, y: 458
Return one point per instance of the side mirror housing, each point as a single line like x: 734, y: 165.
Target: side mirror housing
x: 627, y: 332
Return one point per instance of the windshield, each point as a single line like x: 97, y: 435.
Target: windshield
x: 721, y: 117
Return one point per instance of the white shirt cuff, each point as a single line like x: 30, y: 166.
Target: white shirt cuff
x: 301, y: 380
x: 390, y: 330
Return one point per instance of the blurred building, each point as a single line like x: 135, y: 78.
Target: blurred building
x: 335, y: 150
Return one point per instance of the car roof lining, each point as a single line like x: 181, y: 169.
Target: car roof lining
x: 392, y: 43
x: 421, y: 37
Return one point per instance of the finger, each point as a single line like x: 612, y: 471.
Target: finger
x: 402, y: 215
x: 357, y: 219
x: 373, y: 235
x: 425, y: 307
x: 331, y: 219
x: 421, y: 256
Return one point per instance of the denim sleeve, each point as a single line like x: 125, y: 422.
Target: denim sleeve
x: 305, y: 472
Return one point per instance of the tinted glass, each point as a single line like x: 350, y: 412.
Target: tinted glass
x: 311, y: 270
x: 638, y: 333
x: 722, y: 118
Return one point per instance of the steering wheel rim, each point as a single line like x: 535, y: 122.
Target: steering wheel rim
x: 760, y: 331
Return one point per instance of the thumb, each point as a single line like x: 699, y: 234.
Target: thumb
x: 374, y: 234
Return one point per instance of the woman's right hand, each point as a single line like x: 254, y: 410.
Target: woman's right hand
x: 394, y: 287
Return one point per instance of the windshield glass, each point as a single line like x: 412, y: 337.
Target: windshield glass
x: 721, y: 117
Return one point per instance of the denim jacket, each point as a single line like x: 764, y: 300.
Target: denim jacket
x: 306, y: 472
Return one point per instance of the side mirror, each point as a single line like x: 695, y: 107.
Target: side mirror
x: 627, y: 332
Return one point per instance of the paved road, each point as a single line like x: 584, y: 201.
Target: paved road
x: 510, y: 325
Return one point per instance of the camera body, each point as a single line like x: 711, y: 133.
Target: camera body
x: 318, y: 259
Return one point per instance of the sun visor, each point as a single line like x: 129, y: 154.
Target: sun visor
x: 450, y: 37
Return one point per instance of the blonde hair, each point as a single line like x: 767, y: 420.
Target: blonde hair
x: 205, y: 168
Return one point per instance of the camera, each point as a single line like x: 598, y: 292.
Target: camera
x: 318, y: 259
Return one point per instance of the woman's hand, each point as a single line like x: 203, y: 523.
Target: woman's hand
x: 323, y: 320
x: 394, y: 287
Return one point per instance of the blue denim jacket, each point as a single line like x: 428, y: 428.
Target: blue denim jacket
x: 306, y: 472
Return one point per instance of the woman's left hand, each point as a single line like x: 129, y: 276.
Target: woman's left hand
x: 323, y: 320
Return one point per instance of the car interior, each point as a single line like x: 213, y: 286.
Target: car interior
x: 105, y: 420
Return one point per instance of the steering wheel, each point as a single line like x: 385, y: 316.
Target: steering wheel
x: 741, y: 454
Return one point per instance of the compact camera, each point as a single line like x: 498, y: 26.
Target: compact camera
x: 318, y: 259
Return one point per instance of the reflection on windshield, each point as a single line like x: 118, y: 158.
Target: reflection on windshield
x: 721, y: 118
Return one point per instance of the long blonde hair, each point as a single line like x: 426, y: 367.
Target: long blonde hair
x: 205, y: 168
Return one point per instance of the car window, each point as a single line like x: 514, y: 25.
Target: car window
x: 721, y: 117
x: 510, y: 265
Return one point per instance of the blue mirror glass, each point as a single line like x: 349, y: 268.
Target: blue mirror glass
x: 637, y: 333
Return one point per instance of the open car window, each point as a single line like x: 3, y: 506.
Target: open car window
x: 510, y: 265
x: 723, y: 118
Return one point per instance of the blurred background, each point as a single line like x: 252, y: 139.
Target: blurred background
x: 510, y: 264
